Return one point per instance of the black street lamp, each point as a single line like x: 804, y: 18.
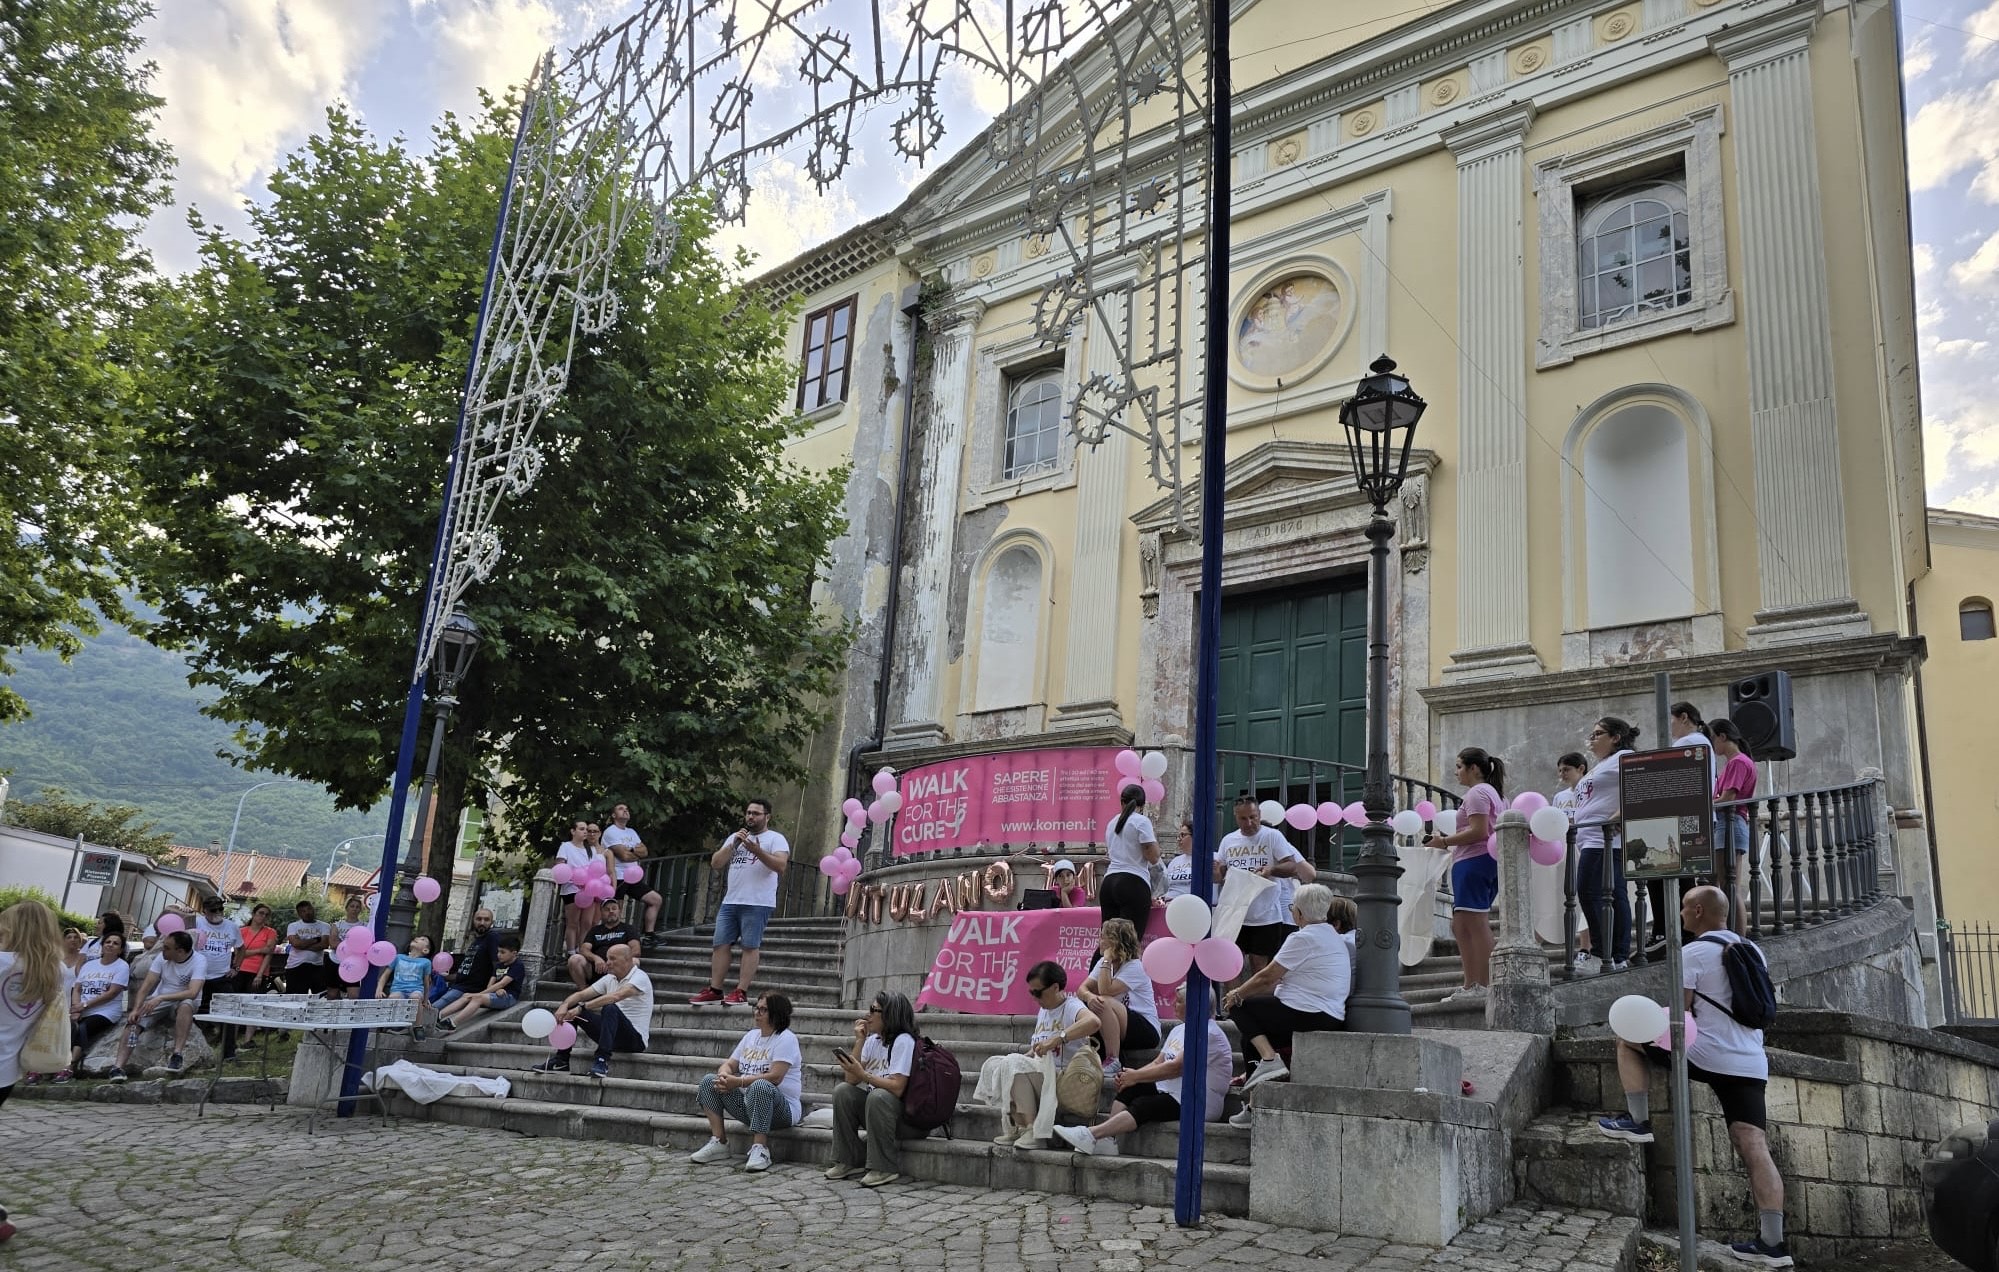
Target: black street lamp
x: 1380, y: 421
x: 456, y: 645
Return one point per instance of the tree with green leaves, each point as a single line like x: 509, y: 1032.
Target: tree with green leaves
x: 53, y: 812
x: 79, y: 172
x: 648, y: 635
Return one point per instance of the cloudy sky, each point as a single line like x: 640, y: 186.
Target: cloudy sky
x: 245, y: 81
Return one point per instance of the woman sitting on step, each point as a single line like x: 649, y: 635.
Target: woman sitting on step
x: 1119, y: 993
x: 870, y: 1093
x: 1151, y: 1093
x: 1302, y: 990
x: 760, y: 1085
x: 1016, y: 1081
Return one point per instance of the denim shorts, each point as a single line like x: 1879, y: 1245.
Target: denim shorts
x: 742, y: 925
x: 1475, y: 884
x: 501, y: 1001
x: 1737, y: 829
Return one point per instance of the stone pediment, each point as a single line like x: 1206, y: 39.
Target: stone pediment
x: 1279, y: 479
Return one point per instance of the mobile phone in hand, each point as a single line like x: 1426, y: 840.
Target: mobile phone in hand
x: 844, y: 1055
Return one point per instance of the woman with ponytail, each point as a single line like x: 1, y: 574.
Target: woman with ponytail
x: 31, y: 982
x: 1597, y: 805
x: 1133, y: 848
x: 1474, y: 870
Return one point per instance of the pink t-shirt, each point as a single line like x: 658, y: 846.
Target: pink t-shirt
x: 1479, y: 799
x: 1738, y: 774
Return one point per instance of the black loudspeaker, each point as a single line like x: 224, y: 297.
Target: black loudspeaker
x: 1760, y: 706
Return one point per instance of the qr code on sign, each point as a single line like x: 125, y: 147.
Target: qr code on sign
x: 1690, y: 825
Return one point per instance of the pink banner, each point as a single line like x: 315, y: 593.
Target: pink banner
x: 1062, y: 795
x: 982, y: 968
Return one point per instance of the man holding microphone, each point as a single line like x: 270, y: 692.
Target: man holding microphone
x: 754, y: 857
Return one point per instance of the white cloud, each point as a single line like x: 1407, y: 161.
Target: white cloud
x: 787, y: 214
x: 1981, y: 268
x: 1958, y: 348
x: 1981, y: 32
x: 489, y: 44
x: 1925, y: 259
x: 243, y: 81
x: 1918, y: 57
x: 1953, y: 132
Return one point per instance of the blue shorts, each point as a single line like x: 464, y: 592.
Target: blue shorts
x: 742, y: 925
x: 501, y: 1001
x: 1737, y: 830
x: 1475, y: 884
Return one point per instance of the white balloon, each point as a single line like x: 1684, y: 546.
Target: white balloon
x: 540, y: 1023
x: 1637, y: 1019
x: 1273, y: 812
x: 1189, y: 919
x: 1549, y: 823
x: 892, y: 801
x: 1408, y: 822
x: 1446, y: 821
x: 1153, y: 765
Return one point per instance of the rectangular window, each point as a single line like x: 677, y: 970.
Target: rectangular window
x: 828, y: 355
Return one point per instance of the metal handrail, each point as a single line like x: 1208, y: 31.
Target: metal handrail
x: 691, y: 889
x: 1969, y: 959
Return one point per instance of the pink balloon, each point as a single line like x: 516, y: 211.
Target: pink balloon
x: 1330, y: 814
x: 851, y: 867
x: 843, y: 853
x: 358, y: 939
x: 841, y: 883
x: 1155, y: 790
x: 1128, y: 764
x: 1218, y: 959
x: 598, y: 868
x: 1301, y: 816
x: 441, y: 963
x: 1425, y: 809
x: 632, y: 872
x: 169, y: 922
x: 877, y: 814
x: 850, y: 841
x: 1545, y: 852
x: 426, y: 890
x: 563, y: 1036
x: 562, y: 872
x: 827, y: 866
x: 853, y: 808
x: 1530, y: 802
x: 381, y: 954
x: 353, y: 969
x: 1167, y: 959
x: 1664, y: 1042
x: 884, y: 781
x: 1355, y: 813
x: 857, y: 821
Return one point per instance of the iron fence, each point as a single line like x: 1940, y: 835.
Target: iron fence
x: 1970, y: 959
x: 1291, y: 779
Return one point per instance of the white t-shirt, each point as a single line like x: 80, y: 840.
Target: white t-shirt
x: 1221, y: 1066
x: 1246, y: 852
x: 95, y: 977
x: 751, y: 882
x: 1180, y: 875
x: 1138, y: 997
x: 1053, y: 1023
x: 889, y: 1061
x: 214, y: 942
x: 1701, y: 740
x: 17, y: 1021
x: 1597, y: 800
x: 615, y: 836
x: 578, y: 857
x: 1126, y: 847
x: 299, y: 927
x: 176, y: 977
x: 758, y: 1052
x: 1723, y: 1046
x: 1318, y: 971
x: 637, y: 1008
x: 1564, y: 798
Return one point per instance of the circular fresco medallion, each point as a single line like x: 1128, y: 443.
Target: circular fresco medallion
x: 1288, y: 325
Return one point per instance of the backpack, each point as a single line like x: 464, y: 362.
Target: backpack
x: 1749, y: 986
x: 931, y: 1096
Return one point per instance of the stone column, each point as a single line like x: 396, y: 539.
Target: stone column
x: 1493, y: 348
x: 1521, y: 997
x: 923, y: 651
x: 1090, y: 680
x: 1793, y: 418
x: 538, y: 929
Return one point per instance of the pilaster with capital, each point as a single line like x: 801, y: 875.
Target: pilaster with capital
x: 1090, y: 678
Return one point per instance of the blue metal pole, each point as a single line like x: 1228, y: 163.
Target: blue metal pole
x: 1214, y: 447
x: 389, y: 877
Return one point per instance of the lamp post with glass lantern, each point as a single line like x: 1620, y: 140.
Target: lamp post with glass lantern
x: 1380, y: 422
x: 456, y: 645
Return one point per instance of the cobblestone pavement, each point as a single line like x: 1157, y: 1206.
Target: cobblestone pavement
x: 127, y: 1186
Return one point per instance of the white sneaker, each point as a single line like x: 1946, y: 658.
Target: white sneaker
x: 1266, y: 1071
x: 1078, y: 1138
x: 1028, y: 1143
x: 1112, y: 1068
x: 1588, y: 965
x: 759, y: 1158
x: 1469, y: 994
x: 1621, y: 965
x: 1245, y: 1118
x: 1104, y: 1148
x: 710, y: 1153
x: 1009, y: 1135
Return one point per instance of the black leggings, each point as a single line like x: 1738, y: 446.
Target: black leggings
x: 1126, y: 896
x: 1267, y: 1018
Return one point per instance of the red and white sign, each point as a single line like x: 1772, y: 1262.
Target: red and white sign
x: 1060, y: 795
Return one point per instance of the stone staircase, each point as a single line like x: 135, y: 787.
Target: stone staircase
x: 651, y: 1097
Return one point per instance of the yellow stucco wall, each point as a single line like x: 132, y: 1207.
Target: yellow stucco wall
x: 1961, y: 700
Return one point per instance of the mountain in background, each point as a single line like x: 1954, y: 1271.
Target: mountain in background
x: 120, y: 724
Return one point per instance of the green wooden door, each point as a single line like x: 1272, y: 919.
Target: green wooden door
x: 1293, y: 681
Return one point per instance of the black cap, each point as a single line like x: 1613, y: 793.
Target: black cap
x: 211, y: 903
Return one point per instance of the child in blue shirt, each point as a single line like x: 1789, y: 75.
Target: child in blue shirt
x: 408, y: 977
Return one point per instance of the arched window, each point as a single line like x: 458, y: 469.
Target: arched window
x: 1033, y: 424
x: 1638, y: 518
x: 1633, y: 254
x: 1974, y: 619
x: 1009, y: 631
